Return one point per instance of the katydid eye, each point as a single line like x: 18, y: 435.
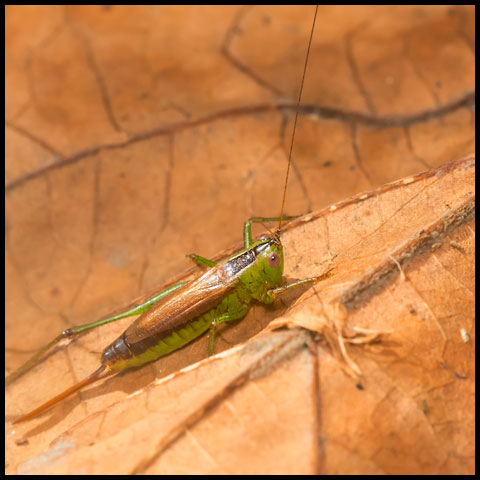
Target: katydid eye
x: 274, y: 260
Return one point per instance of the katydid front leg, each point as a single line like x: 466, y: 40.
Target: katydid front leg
x: 247, y: 237
x: 247, y: 226
x: 271, y: 294
x: 269, y: 298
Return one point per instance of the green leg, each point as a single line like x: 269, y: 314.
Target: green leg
x: 74, y: 331
x: 271, y: 294
x: 247, y: 226
x: 226, y: 317
x: 204, y: 262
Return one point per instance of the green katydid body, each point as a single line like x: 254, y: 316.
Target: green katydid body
x: 183, y: 312
x: 223, y: 293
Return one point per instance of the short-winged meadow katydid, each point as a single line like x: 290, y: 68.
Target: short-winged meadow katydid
x: 178, y: 315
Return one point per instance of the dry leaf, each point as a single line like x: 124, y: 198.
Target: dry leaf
x: 135, y: 135
x: 409, y: 247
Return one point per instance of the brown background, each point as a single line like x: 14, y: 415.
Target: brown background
x: 135, y: 135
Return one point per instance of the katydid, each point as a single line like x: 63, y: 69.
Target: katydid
x: 186, y: 310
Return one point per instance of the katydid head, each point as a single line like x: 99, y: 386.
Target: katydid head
x: 269, y: 254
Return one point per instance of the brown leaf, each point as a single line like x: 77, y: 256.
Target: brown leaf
x: 409, y: 246
x: 136, y: 135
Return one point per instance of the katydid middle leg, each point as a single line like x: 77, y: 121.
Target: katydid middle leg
x: 202, y: 261
x: 226, y: 317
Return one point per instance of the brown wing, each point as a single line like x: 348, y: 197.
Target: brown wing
x: 187, y: 303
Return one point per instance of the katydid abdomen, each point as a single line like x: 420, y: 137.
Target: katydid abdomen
x: 122, y: 354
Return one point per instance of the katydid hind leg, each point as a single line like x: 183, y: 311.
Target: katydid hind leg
x: 73, y: 332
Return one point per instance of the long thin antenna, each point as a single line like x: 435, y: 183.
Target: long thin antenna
x: 295, y: 122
